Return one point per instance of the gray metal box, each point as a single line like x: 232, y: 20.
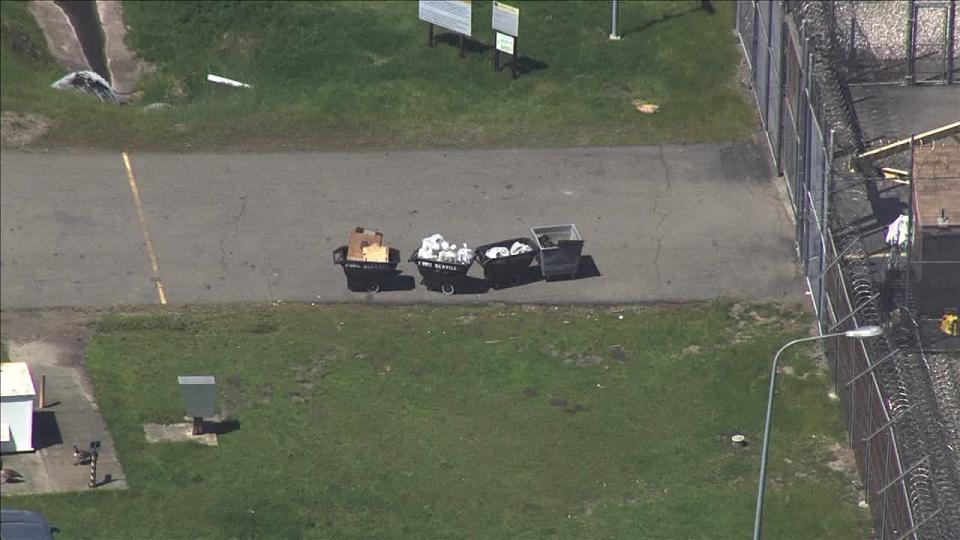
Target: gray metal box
x: 560, y: 248
x: 199, y: 392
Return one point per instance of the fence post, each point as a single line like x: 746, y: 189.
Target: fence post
x: 825, y: 218
x: 951, y: 39
x: 911, y: 41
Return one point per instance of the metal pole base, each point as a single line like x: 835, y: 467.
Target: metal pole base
x: 615, y: 37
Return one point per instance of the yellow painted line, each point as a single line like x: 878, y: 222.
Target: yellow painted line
x: 154, y: 265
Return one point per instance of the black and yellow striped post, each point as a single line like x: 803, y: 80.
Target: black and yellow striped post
x: 94, y: 457
x: 93, y: 470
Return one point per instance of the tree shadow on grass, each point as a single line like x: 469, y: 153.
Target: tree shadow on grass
x: 704, y: 6
x: 470, y: 46
x: 526, y: 65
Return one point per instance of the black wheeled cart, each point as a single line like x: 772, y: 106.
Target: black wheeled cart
x: 366, y: 275
x: 509, y: 270
x: 445, y: 277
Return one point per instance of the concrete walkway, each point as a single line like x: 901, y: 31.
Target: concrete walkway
x: 670, y: 223
x: 52, y: 344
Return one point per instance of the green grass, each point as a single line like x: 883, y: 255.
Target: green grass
x: 386, y: 422
x: 359, y: 75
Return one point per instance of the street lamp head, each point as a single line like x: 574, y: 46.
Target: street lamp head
x: 864, y: 332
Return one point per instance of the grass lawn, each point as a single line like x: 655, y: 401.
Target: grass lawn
x: 420, y: 422
x: 343, y: 75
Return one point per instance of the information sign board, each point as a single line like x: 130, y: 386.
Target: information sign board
x: 454, y: 15
x: 505, y: 43
x: 506, y: 19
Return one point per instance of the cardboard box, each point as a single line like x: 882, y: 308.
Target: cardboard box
x: 376, y: 253
x: 360, y: 244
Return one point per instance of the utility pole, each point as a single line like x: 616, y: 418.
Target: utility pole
x: 614, y: 36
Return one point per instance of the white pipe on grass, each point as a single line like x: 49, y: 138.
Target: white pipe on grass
x: 229, y: 82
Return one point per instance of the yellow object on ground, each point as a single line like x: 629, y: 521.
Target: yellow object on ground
x: 950, y: 324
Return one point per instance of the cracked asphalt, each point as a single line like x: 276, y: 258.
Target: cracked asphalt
x: 660, y: 223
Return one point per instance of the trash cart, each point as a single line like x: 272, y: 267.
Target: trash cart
x: 508, y: 270
x: 559, y: 249
x: 366, y: 275
x: 441, y: 276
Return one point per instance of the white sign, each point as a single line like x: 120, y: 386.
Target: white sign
x: 505, y: 43
x: 506, y: 19
x: 455, y: 15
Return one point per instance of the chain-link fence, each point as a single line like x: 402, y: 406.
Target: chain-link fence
x: 895, y: 41
x: 800, y: 68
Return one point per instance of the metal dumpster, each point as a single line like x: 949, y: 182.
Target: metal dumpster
x: 509, y: 270
x: 559, y: 249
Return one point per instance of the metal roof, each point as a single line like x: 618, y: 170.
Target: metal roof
x: 15, y: 380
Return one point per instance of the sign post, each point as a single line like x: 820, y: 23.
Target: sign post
x: 94, y: 457
x: 506, y: 28
x: 454, y: 15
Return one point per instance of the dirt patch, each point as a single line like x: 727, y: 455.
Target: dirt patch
x: 157, y: 433
x: 550, y: 349
x: 466, y: 319
x: 618, y: 353
x: 842, y: 459
x: 587, y: 360
x: 756, y: 320
x: 691, y: 349
x: 21, y: 129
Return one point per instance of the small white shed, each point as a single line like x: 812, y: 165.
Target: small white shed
x: 16, y: 408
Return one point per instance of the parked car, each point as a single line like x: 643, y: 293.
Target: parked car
x: 24, y: 525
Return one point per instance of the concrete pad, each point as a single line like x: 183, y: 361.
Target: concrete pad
x: 159, y: 433
x: 71, y: 417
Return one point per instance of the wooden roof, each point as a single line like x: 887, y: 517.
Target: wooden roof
x: 936, y: 181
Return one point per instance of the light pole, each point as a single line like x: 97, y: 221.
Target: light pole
x: 614, y: 35
x: 856, y: 333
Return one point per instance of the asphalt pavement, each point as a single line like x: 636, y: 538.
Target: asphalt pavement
x: 660, y: 223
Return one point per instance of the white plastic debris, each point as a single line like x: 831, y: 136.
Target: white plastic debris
x: 464, y: 255
x: 519, y: 247
x: 228, y: 82
x: 496, y: 252
x: 436, y: 248
x: 897, y: 232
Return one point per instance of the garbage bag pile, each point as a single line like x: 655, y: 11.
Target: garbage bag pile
x: 436, y: 248
x: 90, y: 82
x: 516, y: 249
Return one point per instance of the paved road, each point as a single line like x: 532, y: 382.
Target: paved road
x: 671, y: 223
